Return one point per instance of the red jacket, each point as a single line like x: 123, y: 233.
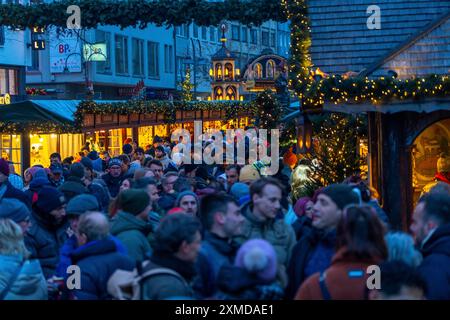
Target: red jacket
x: 340, y: 284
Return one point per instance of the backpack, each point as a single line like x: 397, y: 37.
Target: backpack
x: 126, y: 285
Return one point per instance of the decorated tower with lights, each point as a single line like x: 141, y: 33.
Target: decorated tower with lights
x: 225, y: 76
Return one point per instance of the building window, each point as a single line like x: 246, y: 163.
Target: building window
x: 34, y: 61
x: 183, y: 31
x: 254, y: 36
x: 272, y: 39
x: 235, y: 33
x: 244, y: 34
x: 2, y: 35
x: 10, y: 150
x: 204, y: 31
x: 219, y: 34
x: 270, y: 69
x: 257, y: 70
x: 194, y: 30
x: 153, y: 59
x: 265, y: 38
x: 212, y: 34
x: 9, y: 81
x: 121, y: 50
x: 104, y: 37
x: 138, y: 56
x: 168, y: 58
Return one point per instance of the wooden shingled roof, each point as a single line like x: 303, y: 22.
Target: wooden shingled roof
x: 416, y: 29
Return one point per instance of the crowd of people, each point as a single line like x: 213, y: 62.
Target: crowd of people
x: 189, y: 231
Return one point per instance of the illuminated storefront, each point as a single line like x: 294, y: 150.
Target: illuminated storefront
x: 103, y: 131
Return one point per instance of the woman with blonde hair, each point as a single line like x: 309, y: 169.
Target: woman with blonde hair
x: 20, y: 278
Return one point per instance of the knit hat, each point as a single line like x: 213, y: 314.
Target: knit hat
x: 93, y: 155
x: 87, y: 163
x: 127, y: 149
x: 114, y: 162
x: 257, y: 256
x: 49, y: 199
x: 14, y: 209
x: 341, y: 194
x: 4, y: 167
x: 249, y: 174
x: 299, y: 207
x: 134, y: 201
x: 183, y: 194
x: 81, y: 204
x: 56, y: 168
x: 40, y: 178
x: 239, y: 189
x: 77, y: 170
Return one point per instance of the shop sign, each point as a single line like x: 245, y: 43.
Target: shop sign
x: 5, y: 99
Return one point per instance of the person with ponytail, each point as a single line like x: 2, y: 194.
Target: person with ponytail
x: 360, y: 243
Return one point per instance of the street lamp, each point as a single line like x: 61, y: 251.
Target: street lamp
x: 89, y: 88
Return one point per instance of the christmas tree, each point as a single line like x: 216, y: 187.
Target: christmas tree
x: 335, y: 154
x: 268, y: 110
x: 187, y: 86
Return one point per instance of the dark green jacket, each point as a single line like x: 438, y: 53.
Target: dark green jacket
x: 132, y: 232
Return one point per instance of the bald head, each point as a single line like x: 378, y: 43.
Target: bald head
x: 94, y: 226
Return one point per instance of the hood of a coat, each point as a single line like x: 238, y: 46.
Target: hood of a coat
x: 125, y: 221
x: 30, y: 281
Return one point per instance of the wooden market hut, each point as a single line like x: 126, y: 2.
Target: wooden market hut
x: 406, y: 137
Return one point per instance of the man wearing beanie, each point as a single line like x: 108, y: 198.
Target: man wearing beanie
x: 131, y: 225
x: 16, y: 211
x: 77, y: 207
x: 48, y: 230
x: 6, y: 188
x: 261, y: 221
x: 114, y: 177
x: 188, y: 200
x: 314, y: 251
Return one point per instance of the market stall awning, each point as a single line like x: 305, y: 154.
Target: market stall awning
x: 39, y: 116
x: 39, y: 110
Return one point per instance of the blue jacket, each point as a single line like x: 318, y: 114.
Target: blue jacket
x: 70, y: 246
x: 98, y: 260
x: 435, y: 267
x: 30, y: 283
x: 311, y: 254
x: 215, y: 252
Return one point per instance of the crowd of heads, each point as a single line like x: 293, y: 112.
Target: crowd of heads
x: 176, y: 208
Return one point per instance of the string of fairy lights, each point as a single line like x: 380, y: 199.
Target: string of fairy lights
x: 314, y: 90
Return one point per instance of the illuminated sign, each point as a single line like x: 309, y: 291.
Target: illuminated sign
x: 6, y: 99
x: 94, y: 52
x: 38, y: 45
x: 38, y: 30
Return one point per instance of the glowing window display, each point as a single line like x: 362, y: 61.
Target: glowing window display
x: 43, y: 145
x: 116, y: 137
x: 10, y: 148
